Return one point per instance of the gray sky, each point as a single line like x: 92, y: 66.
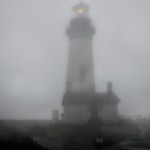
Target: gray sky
x: 34, y: 51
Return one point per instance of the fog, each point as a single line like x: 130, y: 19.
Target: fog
x: 34, y: 53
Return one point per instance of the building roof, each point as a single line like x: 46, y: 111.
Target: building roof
x: 87, y: 98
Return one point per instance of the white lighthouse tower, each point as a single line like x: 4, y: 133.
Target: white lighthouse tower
x: 80, y: 77
x: 81, y: 103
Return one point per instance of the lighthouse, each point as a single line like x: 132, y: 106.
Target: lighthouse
x: 81, y: 103
x: 80, y: 74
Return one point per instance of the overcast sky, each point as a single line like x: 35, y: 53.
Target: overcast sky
x: 34, y: 52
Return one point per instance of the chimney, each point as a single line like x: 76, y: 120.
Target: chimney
x: 109, y: 87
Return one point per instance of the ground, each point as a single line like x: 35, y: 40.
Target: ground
x: 84, y: 134
x: 69, y: 136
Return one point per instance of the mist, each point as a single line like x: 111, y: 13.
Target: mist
x: 34, y: 53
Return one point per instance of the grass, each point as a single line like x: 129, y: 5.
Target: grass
x: 84, y: 134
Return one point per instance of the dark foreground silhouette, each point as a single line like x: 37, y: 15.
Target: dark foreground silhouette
x: 12, y: 139
x: 34, y: 135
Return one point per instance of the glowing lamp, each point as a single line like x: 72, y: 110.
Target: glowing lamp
x: 81, y: 9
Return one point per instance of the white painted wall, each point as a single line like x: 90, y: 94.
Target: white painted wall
x: 108, y: 112
x: 78, y: 113
x: 80, y: 54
